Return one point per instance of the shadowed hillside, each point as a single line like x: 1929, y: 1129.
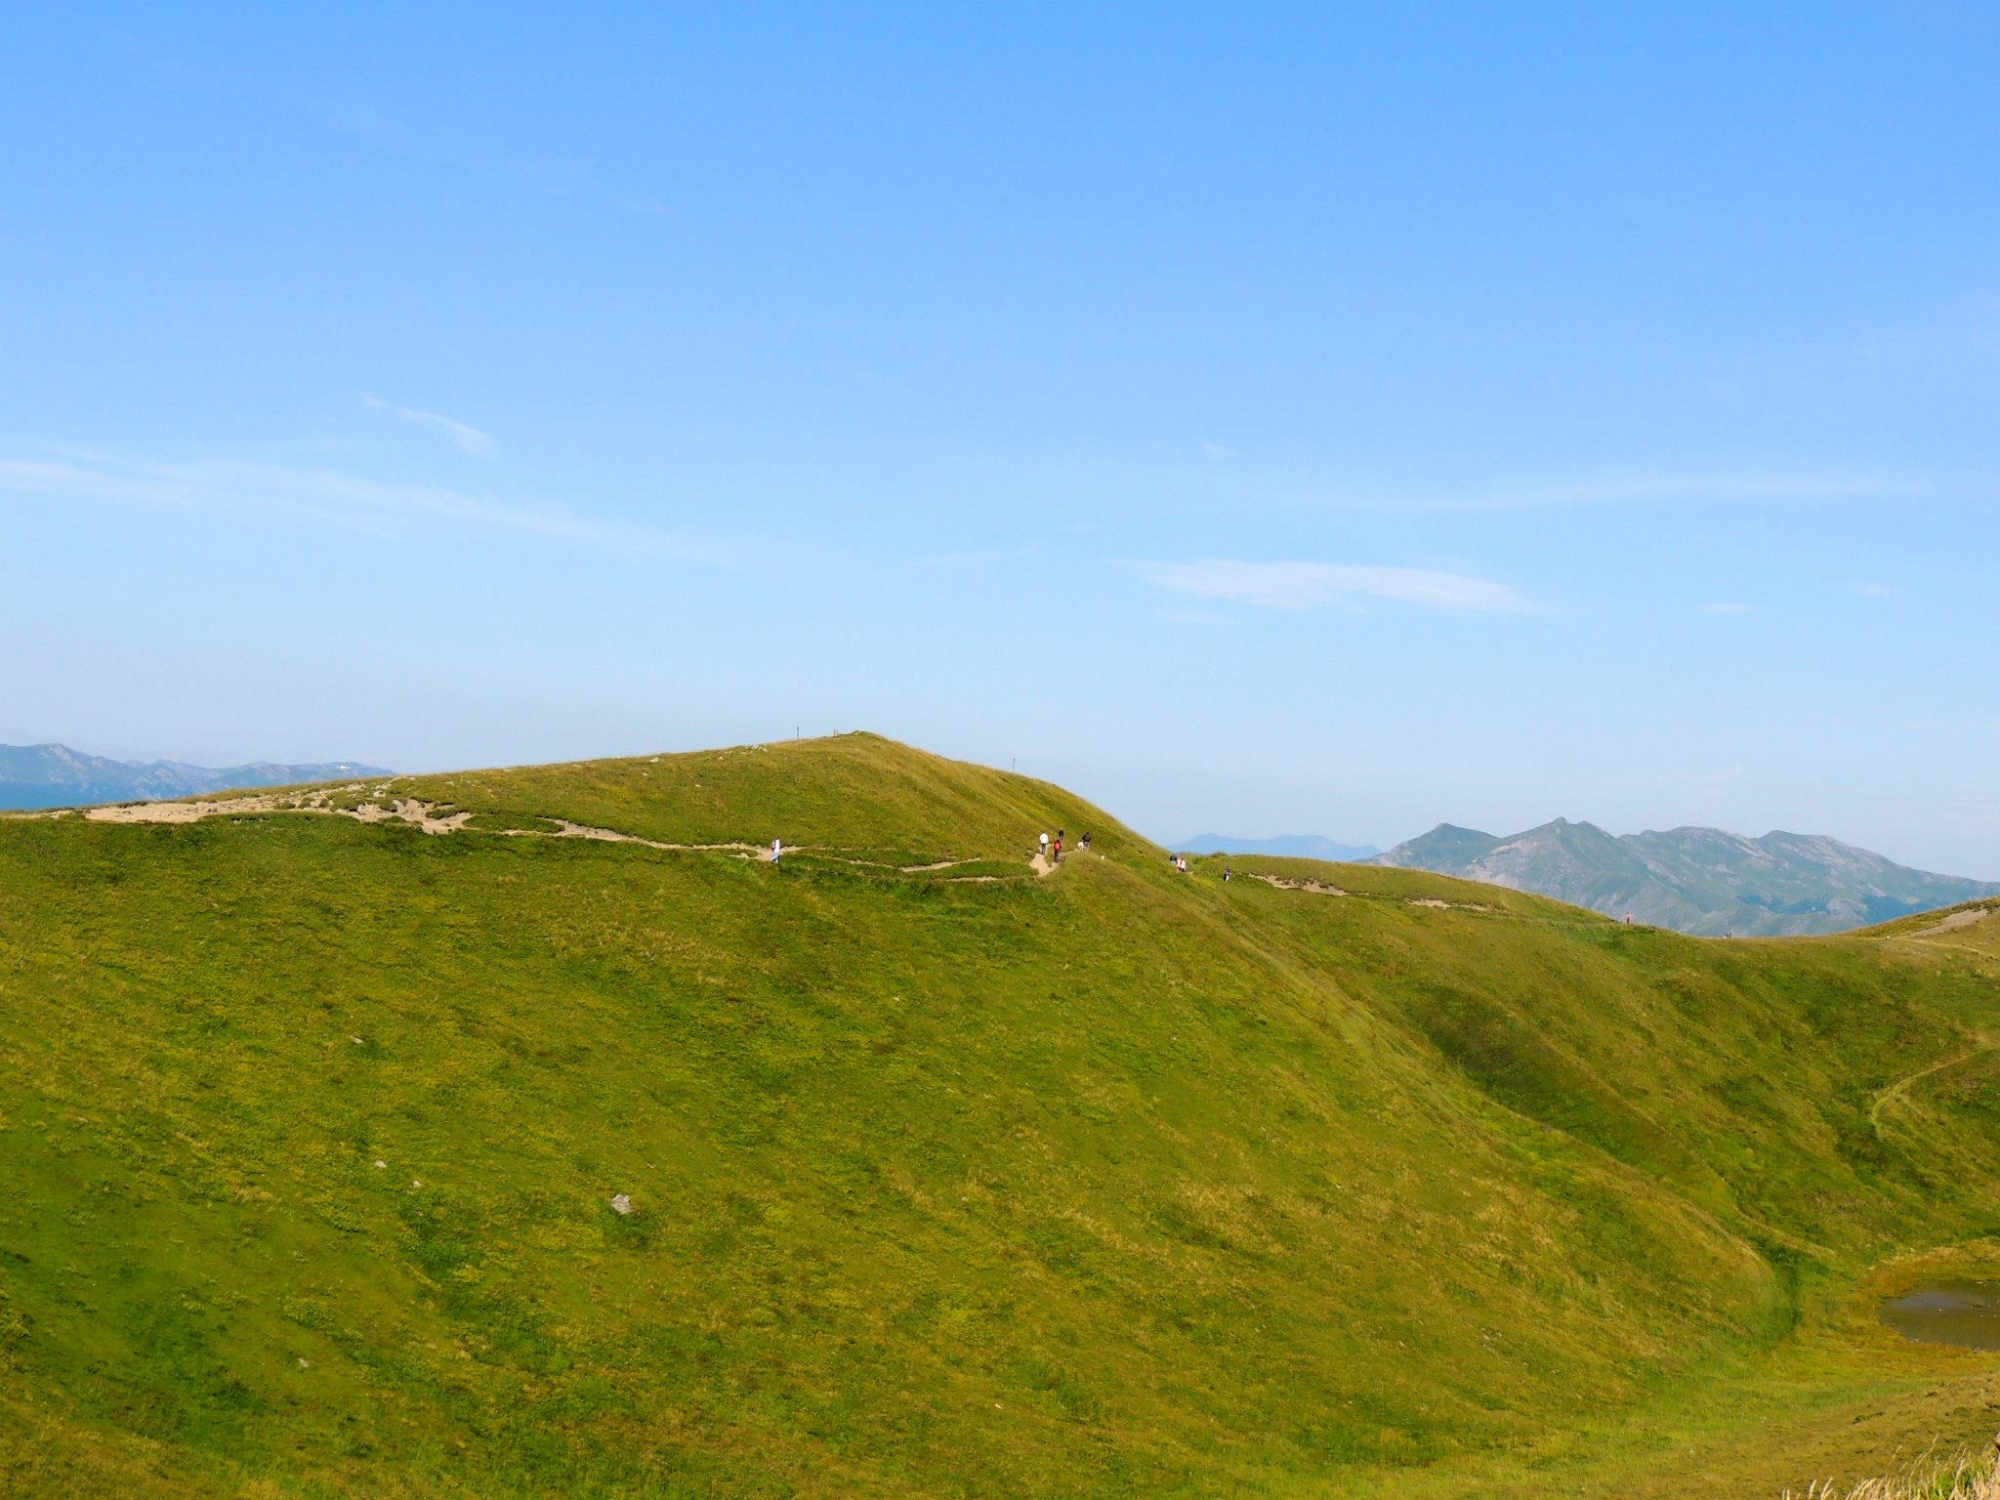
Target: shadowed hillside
x: 318, y: 1116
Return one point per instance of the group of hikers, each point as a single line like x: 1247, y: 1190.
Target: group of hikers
x: 1052, y: 853
x: 1052, y: 850
x: 1052, y: 847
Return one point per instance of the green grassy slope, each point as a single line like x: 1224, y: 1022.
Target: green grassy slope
x: 948, y: 1181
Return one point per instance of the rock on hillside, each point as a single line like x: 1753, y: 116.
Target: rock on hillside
x: 1698, y: 880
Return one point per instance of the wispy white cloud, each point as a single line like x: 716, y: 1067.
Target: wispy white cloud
x: 1874, y: 591
x: 1727, y: 609
x: 469, y: 438
x: 326, y: 495
x: 1307, y: 585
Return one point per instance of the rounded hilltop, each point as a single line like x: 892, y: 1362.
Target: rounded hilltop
x: 856, y: 791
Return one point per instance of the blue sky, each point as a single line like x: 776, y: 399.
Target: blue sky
x: 1259, y: 418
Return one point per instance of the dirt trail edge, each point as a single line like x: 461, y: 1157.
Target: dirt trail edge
x: 433, y: 818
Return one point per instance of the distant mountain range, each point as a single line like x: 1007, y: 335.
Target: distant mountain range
x: 56, y: 776
x: 1289, y: 846
x: 1698, y: 880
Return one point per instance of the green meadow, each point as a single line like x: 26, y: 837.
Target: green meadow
x: 945, y: 1179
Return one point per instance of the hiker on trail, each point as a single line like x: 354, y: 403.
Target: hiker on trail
x: 1084, y: 843
x: 1045, y: 847
x: 777, y: 848
x: 1226, y: 874
x: 1058, y: 845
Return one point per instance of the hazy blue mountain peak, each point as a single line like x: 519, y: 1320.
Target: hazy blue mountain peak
x: 1700, y: 880
x: 34, y: 776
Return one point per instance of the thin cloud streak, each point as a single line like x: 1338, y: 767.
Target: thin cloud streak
x: 325, y: 495
x: 1310, y: 585
x: 468, y: 438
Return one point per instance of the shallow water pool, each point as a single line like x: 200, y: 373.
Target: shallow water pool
x: 1965, y: 1313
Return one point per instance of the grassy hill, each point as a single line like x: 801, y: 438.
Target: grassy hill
x: 945, y: 1179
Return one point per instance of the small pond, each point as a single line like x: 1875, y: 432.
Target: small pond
x: 1965, y: 1313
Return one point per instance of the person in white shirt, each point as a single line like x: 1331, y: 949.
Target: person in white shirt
x: 777, y: 848
x: 1045, y: 846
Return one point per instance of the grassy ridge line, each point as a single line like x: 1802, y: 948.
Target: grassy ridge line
x: 856, y: 791
x: 1120, y: 1181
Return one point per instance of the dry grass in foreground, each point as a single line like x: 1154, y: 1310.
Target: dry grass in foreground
x: 1963, y: 1476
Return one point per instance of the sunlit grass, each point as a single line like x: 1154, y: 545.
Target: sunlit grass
x: 944, y: 1179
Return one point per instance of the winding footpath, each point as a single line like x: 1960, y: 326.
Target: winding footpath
x: 438, y: 819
